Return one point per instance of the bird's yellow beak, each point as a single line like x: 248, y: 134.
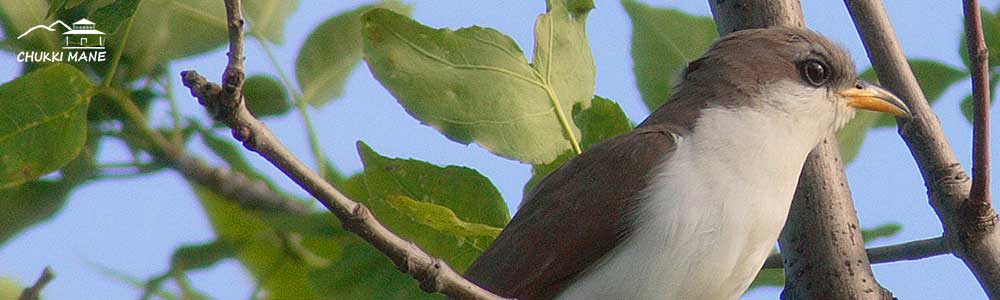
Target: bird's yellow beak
x: 868, y: 96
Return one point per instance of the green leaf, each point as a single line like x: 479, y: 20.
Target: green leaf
x: 202, y: 255
x: 46, y: 109
x: 262, y: 252
x: 363, y: 273
x: 852, y: 136
x: 451, y: 212
x: 465, y: 191
x: 474, y: 84
x: 54, y: 7
x: 267, y: 18
x: 966, y: 104
x: 768, y: 277
x: 603, y: 120
x: 991, y: 34
x: 163, y: 30
x: 265, y: 96
x: 663, y: 42
x: 287, y: 265
x: 110, y: 17
x: 933, y: 77
x: 17, y: 16
x: 332, y: 51
x: 29, y: 204
x: 562, y: 54
x: 881, y: 231
x: 9, y: 288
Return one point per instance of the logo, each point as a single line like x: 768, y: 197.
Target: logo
x: 80, y: 43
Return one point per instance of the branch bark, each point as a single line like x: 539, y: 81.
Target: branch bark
x: 980, y: 204
x: 34, y: 292
x: 226, y: 104
x: 914, y: 250
x: 969, y: 226
x: 247, y: 192
x: 822, y: 231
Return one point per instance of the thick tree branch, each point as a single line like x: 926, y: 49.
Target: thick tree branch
x: 914, y: 250
x: 969, y: 228
x: 34, y: 292
x: 980, y: 203
x: 227, y: 105
x: 822, y: 231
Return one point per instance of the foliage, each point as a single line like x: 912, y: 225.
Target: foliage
x: 663, y: 42
x: 332, y: 51
x: 473, y: 85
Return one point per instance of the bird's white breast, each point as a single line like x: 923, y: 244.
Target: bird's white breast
x: 713, y: 211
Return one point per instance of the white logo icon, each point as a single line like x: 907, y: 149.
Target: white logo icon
x: 82, y: 35
x: 80, y: 43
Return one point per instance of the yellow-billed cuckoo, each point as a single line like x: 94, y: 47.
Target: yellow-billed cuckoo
x: 689, y: 204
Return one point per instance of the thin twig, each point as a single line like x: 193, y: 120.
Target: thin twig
x: 226, y: 104
x: 34, y: 292
x: 914, y: 250
x: 971, y: 236
x: 979, y: 205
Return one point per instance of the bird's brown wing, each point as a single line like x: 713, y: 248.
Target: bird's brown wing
x: 572, y: 218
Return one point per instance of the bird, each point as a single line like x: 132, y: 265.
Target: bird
x: 689, y: 203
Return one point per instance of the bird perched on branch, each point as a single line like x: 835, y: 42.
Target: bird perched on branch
x: 689, y: 204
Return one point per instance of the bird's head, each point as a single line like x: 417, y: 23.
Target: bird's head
x: 785, y: 72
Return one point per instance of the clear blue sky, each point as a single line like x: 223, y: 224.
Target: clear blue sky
x: 134, y: 225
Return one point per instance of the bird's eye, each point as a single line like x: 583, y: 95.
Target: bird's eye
x: 814, y: 72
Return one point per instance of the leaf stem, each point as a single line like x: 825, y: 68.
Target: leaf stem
x: 136, y: 117
x: 110, y: 76
x: 563, y: 122
x: 300, y: 105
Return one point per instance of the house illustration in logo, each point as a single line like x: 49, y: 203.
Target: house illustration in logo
x: 83, y: 36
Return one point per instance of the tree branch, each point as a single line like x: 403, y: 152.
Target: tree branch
x: 969, y: 228
x: 914, y: 250
x: 247, y: 192
x: 34, y: 292
x: 822, y: 230
x: 227, y: 105
x: 980, y: 206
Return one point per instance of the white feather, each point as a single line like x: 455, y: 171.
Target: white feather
x: 716, y: 205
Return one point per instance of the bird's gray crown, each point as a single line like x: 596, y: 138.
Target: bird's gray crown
x: 738, y: 66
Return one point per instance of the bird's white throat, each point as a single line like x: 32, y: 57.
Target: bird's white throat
x: 716, y: 205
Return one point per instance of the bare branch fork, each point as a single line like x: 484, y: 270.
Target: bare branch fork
x: 979, y: 206
x: 226, y: 104
x: 969, y: 219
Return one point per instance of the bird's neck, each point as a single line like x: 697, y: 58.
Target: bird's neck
x: 754, y: 143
